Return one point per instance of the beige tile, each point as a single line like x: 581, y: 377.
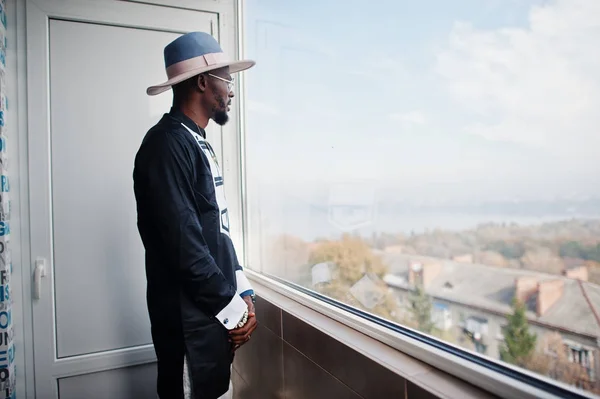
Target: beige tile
x: 259, y: 364
x: 268, y: 315
x: 448, y: 387
x: 240, y: 388
x: 388, y: 357
x: 306, y: 380
x: 364, y: 376
x: 416, y: 392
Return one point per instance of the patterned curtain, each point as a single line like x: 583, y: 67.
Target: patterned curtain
x: 7, y: 349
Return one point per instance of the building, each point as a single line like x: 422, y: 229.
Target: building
x: 472, y: 300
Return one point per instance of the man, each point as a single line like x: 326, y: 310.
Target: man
x: 199, y: 301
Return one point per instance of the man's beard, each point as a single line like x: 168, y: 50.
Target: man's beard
x: 220, y: 114
x: 220, y: 117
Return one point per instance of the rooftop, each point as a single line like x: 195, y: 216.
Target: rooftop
x: 493, y: 288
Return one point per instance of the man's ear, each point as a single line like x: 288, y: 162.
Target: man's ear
x: 201, y: 83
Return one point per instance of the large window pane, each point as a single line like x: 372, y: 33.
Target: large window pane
x: 436, y: 163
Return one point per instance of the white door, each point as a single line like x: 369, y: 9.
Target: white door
x: 89, y: 63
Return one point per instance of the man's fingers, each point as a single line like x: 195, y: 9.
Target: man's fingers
x: 252, y: 327
x: 241, y: 338
x: 242, y: 335
x: 243, y: 330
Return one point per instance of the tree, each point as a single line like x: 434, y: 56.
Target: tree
x: 542, y: 259
x: 571, y: 249
x: 519, y: 343
x: 551, y: 359
x: 421, y: 310
x: 574, y: 249
x: 491, y: 258
x: 351, y: 255
x: 353, y: 258
x: 508, y: 249
x: 287, y: 255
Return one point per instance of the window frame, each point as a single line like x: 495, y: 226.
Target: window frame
x: 502, y: 379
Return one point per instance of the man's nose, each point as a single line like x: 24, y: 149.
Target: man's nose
x: 231, y: 94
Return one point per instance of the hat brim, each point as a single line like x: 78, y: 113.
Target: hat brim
x: 234, y: 67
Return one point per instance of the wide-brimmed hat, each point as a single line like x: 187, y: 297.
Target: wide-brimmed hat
x: 192, y: 54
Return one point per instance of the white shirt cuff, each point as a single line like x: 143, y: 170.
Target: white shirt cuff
x: 243, y: 284
x: 232, y: 314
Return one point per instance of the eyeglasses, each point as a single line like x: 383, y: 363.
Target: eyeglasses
x: 230, y: 83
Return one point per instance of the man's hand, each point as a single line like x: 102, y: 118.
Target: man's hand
x: 248, y: 300
x: 240, y: 336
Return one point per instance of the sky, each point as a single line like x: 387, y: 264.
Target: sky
x: 452, y: 100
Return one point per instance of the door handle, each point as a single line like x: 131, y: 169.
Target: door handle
x: 38, y: 273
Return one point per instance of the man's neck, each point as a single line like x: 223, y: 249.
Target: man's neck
x: 195, y: 115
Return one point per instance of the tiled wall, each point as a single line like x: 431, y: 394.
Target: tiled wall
x: 288, y: 358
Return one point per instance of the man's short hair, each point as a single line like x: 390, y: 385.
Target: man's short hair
x: 182, y: 89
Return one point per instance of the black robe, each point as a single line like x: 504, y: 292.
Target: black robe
x: 191, y: 263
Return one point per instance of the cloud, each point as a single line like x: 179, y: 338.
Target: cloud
x: 538, y: 85
x: 409, y: 118
x: 382, y: 69
x: 262, y: 108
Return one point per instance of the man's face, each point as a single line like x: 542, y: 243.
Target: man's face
x: 220, y: 93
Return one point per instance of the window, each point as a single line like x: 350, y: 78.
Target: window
x: 419, y: 160
x: 442, y: 318
x: 477, y: 327
x: 581, y: 356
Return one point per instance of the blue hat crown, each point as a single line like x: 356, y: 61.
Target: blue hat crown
x: 190, y: 45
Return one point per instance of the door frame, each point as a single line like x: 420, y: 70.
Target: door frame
x: 35, y: 199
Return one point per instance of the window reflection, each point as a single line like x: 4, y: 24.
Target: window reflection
x: 437, y: 165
